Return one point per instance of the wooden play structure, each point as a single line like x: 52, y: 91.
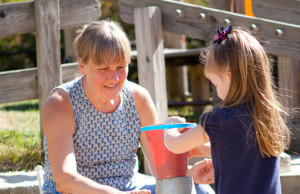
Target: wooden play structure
x: 276, y: 22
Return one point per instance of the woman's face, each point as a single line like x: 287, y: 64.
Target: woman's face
x: 220, y: 79
x: 105, y: 81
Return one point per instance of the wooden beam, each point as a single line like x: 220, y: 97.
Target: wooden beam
x: 280, y: 10
x: 151, y: 62
x: 19, y: 17
x: 22, y: 84
x: 191, y: 24
x: 18, y: 85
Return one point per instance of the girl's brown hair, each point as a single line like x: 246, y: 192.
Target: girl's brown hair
x: 251, y: 81
x: 104, y: 42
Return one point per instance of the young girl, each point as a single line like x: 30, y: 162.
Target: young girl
x: 247, y: 132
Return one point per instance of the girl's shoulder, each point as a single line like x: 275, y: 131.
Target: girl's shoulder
x: 219, y: 114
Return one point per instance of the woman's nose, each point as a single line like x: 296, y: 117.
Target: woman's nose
x: 113, y: 75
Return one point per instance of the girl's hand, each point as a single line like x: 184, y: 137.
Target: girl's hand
x: 203, y: 172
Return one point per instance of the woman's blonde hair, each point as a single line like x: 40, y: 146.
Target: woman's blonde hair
x: 251, y: 82
x: 104, y: 42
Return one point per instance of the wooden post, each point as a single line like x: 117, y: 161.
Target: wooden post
x: 69, y: 36
x: 221, y: 4
x: 151, y: 62
x: 289, y: 89
x: 177, y: 77
x: 150, y: 58
x: 199, y: 86
x: 47, y: 24
x: 176, y: 185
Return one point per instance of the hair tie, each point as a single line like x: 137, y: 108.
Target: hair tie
x: 222, y: 34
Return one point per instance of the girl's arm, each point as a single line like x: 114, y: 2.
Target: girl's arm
x: 178, y: 142
x: 59, y: 126
x: 148, y: 116
x: 201, y: 151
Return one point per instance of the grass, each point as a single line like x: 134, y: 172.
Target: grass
x: 20, y: 143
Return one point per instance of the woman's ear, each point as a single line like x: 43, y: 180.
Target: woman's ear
x: 81, y: 66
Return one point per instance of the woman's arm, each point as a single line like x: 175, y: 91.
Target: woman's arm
x: 59, y: 126
x: 178, y: 142
x: 148, y: 116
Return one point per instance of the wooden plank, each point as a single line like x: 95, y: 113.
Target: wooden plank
x: 22, y: 84
x: 289, y: 86
x: 48, y: 50
x: 239, y: 6
x: 18, y: 85
x: 191, y: 25
x: 279, y: 10
x: 19, y: 17
x: 151, y: 63
x: 295, y: 140
x: 174, y: 53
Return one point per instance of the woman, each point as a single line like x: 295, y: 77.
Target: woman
x: 92, y: 124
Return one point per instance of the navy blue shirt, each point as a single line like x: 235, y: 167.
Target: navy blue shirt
x: 238, y: 164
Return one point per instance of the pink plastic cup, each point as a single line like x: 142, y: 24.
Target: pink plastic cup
x: 167, y: 164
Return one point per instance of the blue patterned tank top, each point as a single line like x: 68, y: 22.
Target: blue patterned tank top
x: 105, y: 144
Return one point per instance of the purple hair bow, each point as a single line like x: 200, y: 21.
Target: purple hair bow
x: 222, y: 34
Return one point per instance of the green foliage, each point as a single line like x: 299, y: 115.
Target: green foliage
x: 20, y: 150
x: 17, y: 52
x: 20, y: 143
x: 110, y: 10
x: 197, y: 2
x: 12, y: 1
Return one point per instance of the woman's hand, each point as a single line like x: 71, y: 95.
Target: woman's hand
x: 144, y: 191
x: 172, y: 120
x: 203, y: 172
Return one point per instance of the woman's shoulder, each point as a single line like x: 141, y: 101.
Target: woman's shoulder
x: 138, y: 91
x: 57, y: 100
x: 71, y: 85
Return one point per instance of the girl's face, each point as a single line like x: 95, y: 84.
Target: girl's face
x: 104, y: 81
x: 220, y: 79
